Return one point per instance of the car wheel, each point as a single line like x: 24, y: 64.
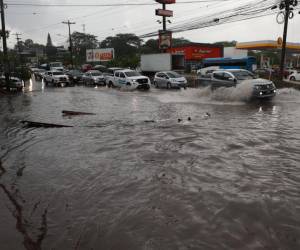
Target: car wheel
x: 169, y: 85
x: 292, y: 78
x: 155, y: 84
x: 110, y: 84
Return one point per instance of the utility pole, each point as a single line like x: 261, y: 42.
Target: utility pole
x: 70, y: 40
x: 5, y: 54
x: 288, y: 13
x: 286, y: 23
x: 18, y: 45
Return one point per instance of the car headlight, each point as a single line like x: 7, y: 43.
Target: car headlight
x: 135, y: 81
x: 75, y: 77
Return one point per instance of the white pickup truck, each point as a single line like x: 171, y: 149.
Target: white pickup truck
x: 129, y: 79
x: 56, y: 78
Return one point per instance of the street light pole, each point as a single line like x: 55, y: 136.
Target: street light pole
x: 70, y: 40
x: 5, y: 54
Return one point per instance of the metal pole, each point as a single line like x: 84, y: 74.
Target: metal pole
x: 164, y: 19
x: 5, y: 54
x: 283, y: 52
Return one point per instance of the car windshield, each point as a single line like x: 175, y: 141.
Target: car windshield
x: 173, y: 75
x: 243, y: 75
x: 57, y: 73
x: 96, y: 74
x: 132, y: 73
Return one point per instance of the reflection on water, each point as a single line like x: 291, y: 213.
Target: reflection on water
x: 114, y: 181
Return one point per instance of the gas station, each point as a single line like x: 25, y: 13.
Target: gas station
x: 271, y: 46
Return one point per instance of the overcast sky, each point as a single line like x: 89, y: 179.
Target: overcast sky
x: 36, y: 22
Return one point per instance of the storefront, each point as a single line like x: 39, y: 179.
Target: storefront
x: 196, y: 52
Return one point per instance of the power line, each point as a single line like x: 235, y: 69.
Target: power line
x: 105, y: 5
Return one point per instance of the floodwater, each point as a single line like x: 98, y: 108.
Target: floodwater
x: 131, y: 177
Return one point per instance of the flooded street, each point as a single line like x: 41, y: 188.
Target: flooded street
x: 133, y: 177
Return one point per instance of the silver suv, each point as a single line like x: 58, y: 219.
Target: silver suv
x: 262, y: 88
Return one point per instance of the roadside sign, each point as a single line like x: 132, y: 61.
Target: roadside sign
x: 166, y: 1
x: 99, y: 55
x: 166, y: 13
x: 165, y: 39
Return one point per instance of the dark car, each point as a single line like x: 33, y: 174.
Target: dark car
x: 15, y: 83
x: 75, y: 76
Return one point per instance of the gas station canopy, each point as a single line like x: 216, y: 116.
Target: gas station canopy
x: 269, y: 45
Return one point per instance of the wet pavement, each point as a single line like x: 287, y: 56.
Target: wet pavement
x: 133, y: 177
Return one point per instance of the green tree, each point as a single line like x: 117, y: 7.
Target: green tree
x: 82, y: 42
x: 127, y: 49
x: 227, y: 43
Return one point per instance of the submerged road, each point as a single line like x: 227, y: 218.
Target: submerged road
x: 133, y: 177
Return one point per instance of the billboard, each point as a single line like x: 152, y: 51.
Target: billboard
x: 165, y: 39
x: 100, y: 55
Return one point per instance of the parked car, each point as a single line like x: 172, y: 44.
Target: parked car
x: 56, y: 78
x: 109, y: 75
x: 93, y: 77
x: 169, y: 79
x: 262, y: 88
x: 75, y: 76
x: 15, y: 83
x: 86, y: 67
x: 295, y: 76
x: 129, y: 79
x: 99, y: 67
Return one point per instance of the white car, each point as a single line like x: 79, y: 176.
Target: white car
x: 169, y: 79
x: 129, y: 79
x: 109, y: 75
x: 56, y: 78
x: 295, y: 76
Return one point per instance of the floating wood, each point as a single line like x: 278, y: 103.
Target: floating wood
x: 67, y: 112
x: 44, y: 125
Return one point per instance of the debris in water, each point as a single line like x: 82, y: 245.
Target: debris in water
x: 20, y: 171
x: 68, y: 112
x: 2, y: 169
x: 207, y: 115
x: 149, y: 121
x: 189, y: 118
x: 179, y: 120
x: 31, y: 124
